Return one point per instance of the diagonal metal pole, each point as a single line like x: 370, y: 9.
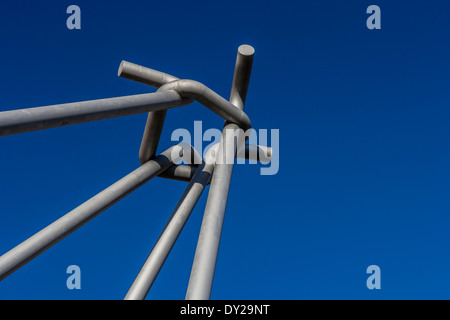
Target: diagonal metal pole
x: 202, y: 273
x: 179, y: 172
x: 154, y: 262
x: 39, y: 118
x: 186, y: 89
x: 171, y: 95
x: 52, y: 234
x: 150, y: 270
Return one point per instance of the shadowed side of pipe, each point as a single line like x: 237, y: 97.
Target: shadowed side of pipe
x: 47, y: 237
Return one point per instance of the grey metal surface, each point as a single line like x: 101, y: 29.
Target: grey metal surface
x: 151, y: 136
x: 203, y: 267
x: 155, y: 120
x: 215, y: 169
x: 210, y: 99
x: 158, y: 255
x: 47, y: 237
x: 187, y: 89
x: 144, y: 75
x: 186, y: 172
x: 179, y: 172
x: 32, y: 119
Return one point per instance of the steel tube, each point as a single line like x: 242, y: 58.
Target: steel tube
x: 186, y: 172
x: 47, y: 237
x: 187, y: 89
x: 179, y: 172
x: 144, y: 75
x: 155, y: 120
x: 31, y: 119
x: 158, y: 255
x: 203, y: 267
x: 255, y: 152
x: 210, y: 99
x: 152, y: 134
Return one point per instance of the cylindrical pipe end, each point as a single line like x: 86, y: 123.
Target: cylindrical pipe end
x: 120, y: 71
x: 246, y: 50
x: 144, y: 75
x: 242, y: 71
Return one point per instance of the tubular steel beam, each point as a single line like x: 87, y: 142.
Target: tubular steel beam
x: 32, y: 119
x: 179, y: 217
x: 151, y: 136
x: 186, y: 172
x: 255, y: 152
x: 47, y: 237
x: 149, y: 271
x: 210, y: 99
x: 197, y: 91
x: 179, y: 172
x: 144, y: 75
x: 155, y: 119
x: 186, y: 89
x: 202, y: 273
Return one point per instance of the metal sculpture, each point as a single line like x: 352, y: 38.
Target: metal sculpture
x: 215, y: 169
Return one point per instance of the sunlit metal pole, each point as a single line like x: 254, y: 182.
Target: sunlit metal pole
x: 202, y: 273
x: 216, y: 169
x: 149, y: 271
x: 47, y: 237
x: 39, y: 118
x: 187, y: 89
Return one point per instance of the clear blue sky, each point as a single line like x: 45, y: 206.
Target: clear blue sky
x: 364, y: 146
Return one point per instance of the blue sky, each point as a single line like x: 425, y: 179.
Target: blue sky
x: 364, y: 149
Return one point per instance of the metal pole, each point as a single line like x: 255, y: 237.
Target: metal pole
x: 32, y: 119
x: 151, y: 136
x: 149, y: 271
x: 202, y: 273
x: 144, y: 75
x: 186, y: 89
x: 47, y: 237
x: 155, y: 120
x: 179, y: 172
x: 210, y: 99
x: 186, y: 172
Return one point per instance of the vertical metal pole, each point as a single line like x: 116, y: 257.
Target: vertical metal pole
x: 202, y: 273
